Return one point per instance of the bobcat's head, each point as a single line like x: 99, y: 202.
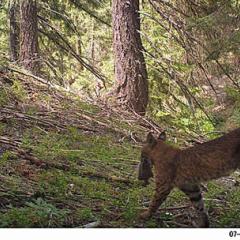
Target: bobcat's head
x: 146, y: 163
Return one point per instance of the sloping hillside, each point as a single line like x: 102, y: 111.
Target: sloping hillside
x: 69, y: 163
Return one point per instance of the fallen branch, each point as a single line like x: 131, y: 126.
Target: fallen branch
x: 177, y: 224
x: 108, y: 178
x: 121, y: 132
x: 174, y: 208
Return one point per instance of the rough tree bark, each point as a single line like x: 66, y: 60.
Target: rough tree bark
x: 14, y: 30
x: 130, y: 67
x: 29, y: 51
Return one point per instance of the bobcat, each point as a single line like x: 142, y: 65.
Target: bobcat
x: 187, y: 168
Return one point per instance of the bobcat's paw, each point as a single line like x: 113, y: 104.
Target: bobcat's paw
x: 145, y: 215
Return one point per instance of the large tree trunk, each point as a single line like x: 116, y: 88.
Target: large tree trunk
x: 14, y: 31
x: 130, y: 67
x: 29, y: 55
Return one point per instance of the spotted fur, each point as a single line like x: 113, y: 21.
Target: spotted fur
x: 187, y: 168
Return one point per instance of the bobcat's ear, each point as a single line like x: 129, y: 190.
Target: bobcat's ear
x: 162, y: 136
x: 151, y: 140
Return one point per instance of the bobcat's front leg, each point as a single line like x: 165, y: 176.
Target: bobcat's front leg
x: 159, y: 197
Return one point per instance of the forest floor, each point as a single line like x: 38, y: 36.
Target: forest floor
x: 68, y: 163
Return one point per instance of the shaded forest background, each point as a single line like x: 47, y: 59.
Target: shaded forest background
x: 191, y: 49
x: 63, y: 96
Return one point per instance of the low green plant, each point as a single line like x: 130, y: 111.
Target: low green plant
x: 5, y: 157
x: 19, y: 91
x: 54, y: 182
x: 37, y: 213
x: 4, y: 99
x: 85, y: 214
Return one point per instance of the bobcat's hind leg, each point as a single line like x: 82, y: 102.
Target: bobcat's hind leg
x: 193, y: 191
